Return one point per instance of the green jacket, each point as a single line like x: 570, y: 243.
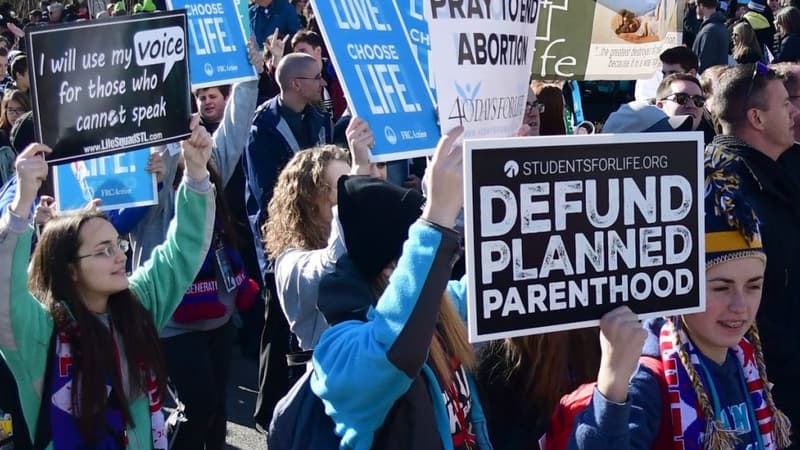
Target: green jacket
x: 26, y: 325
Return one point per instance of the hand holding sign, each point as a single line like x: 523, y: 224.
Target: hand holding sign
x: 31, y: 170
x: 197, y: 150
x: 361, y: 141
x: 156, y: 165
x: 255, y: 55
x: 446, y: 194
x: 621, y: 340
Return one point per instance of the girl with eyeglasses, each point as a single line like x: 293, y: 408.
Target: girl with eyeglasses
x: 14, y: 104
x: 81, y: 336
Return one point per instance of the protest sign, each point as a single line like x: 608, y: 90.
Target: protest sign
x: 605, y: 39
x: 561, y: 230
x: 218, y: 50
x: 119, y: 181
x: 243, y: 10
x: 126, y: 87
x: 481, y: 55
x: 417, y: 29
x: 382, y: 80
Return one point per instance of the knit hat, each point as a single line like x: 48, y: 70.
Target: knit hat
x: 732, y: 228
x: 375, y: 217
x: 640, y: 116
x: 756, y: 5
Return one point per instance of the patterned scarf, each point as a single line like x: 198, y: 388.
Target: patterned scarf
x: 687, y: 416
x: 113, y: 436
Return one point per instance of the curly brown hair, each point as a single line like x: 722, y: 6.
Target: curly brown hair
x: 294, y: 219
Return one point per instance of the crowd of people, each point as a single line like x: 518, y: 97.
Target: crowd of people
x: 345, y: 277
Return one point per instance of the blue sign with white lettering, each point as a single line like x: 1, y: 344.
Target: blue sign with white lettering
x: 119, y: 181
x: 217, y: 42
x: 382, y: 80
x: 417, y: 30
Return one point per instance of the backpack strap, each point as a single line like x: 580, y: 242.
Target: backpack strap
x: 663, y: 439
x: 44, y: 432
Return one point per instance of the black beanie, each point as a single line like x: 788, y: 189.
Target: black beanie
x: 22, y: 133
x: 375, y: 217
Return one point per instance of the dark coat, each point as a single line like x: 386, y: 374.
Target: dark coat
x: 790, y: 49
x: 712, y: 42
x: 272, y: 144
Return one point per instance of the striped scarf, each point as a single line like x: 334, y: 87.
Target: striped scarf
x: 113, y: 434
x: 688, y: 422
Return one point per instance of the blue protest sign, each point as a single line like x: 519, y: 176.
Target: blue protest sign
x: 119, y: 181
x: 382, y: 80
x: 417, y: 30
x: 217, y: 42
x: 244, y: 16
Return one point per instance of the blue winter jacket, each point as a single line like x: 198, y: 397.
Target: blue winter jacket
x: 270, y: 146
x: 635, y: 424
x: 280, y: 14
x: 366, y: 371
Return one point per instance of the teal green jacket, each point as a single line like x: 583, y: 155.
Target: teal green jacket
x: 26, y: 325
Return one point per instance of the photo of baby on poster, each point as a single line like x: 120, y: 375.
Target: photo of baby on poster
x: 636, y: 21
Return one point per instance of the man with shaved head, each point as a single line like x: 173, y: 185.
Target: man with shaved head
x: 283, y: 125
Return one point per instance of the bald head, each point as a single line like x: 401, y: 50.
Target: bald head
x: 294, y: 65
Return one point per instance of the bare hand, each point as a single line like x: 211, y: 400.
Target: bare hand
x: 361, y: 141
x: 446, y: 193
x: 276, y: 46
x: 31, y: 170
x: 156, y: 165
x: 197, y: 150
x: 45, y: 210
x: 621, y: 340
x: 255, y: 55
x: 523, y: 130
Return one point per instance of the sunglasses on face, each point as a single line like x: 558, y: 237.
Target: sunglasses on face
x: 682, y: 99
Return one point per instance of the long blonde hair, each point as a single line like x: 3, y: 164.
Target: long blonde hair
x: 747, y: 41
x: 450, y: 341
x: 717, y: 437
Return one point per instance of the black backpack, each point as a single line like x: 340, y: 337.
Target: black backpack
x: 299, y: 421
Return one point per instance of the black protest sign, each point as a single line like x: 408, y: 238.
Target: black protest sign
x: 561, y: 230
x: 107, y: 86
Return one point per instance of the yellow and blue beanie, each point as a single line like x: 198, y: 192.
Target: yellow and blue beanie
x: 732, y: 227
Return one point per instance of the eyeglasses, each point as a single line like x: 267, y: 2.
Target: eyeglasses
x: 110, y: 250
x: 758, y: 69
x: 16, y: 110
x: 530, y: 106
x: 318, y: 77
x: 683, y: 98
